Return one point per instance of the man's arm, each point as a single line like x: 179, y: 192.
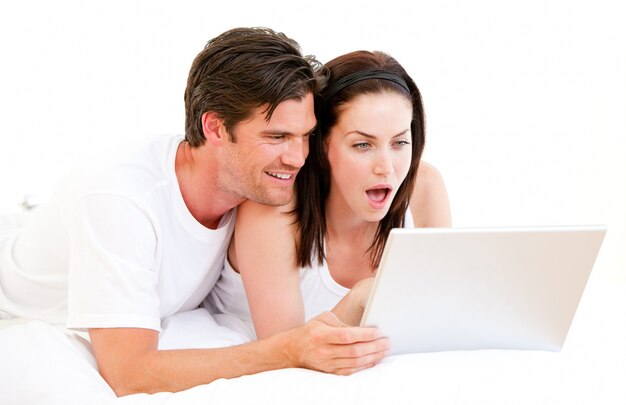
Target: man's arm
x: 129, y: 359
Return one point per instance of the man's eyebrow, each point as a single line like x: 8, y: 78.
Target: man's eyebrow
x: 312, y: 129
x: 366, y: 135
x: 280, y: 132
x: 275, y: 132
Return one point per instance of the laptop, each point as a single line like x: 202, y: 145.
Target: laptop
x: 440, y: 289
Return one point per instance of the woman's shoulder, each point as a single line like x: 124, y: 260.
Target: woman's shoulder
x: 429, y: 203
x: 260, y: 230
x: 427, y: 174
x: 252, y: 213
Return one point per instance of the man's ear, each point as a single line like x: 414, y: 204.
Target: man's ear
x: 213, y: 128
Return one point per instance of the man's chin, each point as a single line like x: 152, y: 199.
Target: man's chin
x: 273, y: 200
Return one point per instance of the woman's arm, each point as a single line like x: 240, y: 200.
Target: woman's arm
x: 351, y: 307
x: 264, y: 253
x: 429, y: 203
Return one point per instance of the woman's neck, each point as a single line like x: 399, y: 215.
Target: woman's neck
x: 347, y: 241
x: 342, y: 223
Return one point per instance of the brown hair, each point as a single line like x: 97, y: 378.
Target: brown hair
x: 241, y: 70
x: 313, y: 180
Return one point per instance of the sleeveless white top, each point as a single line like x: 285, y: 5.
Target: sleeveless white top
x: 320, y: 292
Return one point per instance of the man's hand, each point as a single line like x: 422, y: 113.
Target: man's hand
x: 329, y: 345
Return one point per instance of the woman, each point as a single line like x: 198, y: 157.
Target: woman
x: 362, y: 178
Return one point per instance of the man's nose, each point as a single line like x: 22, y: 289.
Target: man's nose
x: 296, y: 152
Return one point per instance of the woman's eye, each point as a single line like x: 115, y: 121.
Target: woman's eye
x: 402, y: 143
x: 361, y: 145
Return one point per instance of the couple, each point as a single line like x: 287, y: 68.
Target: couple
x: 141, y: 237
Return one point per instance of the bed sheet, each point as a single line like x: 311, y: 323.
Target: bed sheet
x: 42, y: 364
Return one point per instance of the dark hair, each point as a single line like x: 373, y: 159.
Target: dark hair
x: 313, y: 180
x: 241, y: 70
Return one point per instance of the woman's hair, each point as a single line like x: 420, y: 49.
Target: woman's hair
x: 241, y: 70
x: 313, y: 180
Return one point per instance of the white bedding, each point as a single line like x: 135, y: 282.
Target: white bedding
x: 43, y: 364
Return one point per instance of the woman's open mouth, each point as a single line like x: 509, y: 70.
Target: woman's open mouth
x: 378, y: 196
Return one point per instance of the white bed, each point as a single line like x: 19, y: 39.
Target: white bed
x: 43, y: 364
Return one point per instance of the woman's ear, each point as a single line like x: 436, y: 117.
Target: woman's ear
x: 213, y: 128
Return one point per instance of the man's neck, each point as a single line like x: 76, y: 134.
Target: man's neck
x: 197, y: 174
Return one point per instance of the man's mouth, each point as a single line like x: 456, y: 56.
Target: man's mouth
x: 281, y: 176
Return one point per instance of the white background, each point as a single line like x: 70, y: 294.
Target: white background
x: 525, y: 101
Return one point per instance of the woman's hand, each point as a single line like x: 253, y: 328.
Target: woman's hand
x: 350, y: 308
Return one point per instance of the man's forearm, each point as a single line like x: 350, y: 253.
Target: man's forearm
x: 177, y: 370
x: 129, y: 361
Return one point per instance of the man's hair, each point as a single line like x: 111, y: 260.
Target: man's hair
x: 313, y: 180
x: 240, y: 71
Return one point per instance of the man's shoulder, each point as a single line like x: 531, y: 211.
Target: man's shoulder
x: 137, y: 171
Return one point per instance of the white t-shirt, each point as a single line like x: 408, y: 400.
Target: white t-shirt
x: 115, y: 247
x: 228, y: 303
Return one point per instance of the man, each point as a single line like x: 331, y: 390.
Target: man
x: 130, y: 241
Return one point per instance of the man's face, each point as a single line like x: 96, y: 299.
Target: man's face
x: 263, y: 162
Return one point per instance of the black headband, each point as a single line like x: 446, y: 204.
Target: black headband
x: 364, y: 75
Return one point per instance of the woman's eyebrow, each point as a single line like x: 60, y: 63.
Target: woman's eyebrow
x: 366, y: 135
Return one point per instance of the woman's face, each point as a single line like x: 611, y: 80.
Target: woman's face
x: 369, y: 151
